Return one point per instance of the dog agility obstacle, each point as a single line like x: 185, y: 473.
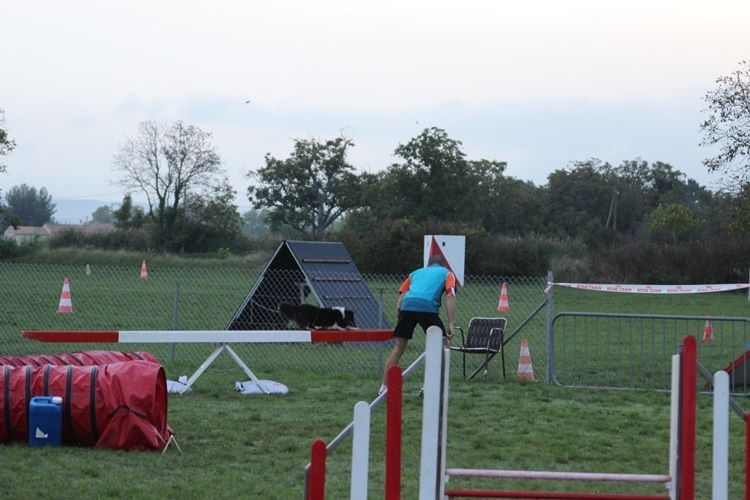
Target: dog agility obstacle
x: 434, y: 476
x: 679, y: 481
x: 222, y: 339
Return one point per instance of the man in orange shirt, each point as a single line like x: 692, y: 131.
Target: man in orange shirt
x: 418, y: 304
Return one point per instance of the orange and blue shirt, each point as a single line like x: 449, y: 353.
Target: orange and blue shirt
x: 423, y: 289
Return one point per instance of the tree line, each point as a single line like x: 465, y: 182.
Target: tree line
x: 591, y: 218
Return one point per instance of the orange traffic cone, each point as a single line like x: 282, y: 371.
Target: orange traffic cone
x: 144, y: 270
x: 66, y: 302
x: 502, y: 304
x: 708, y: 332
x: 525, y: 370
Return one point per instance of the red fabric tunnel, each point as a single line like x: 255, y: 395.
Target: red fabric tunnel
x: 121, y: 405
x: 84, y: 358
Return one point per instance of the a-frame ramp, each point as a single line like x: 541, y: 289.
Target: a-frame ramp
x: 321, y: 273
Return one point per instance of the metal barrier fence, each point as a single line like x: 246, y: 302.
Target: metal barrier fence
x: 115, y: 298
x: 633, y: 351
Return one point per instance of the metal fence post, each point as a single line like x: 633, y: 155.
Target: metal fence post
x: 381, y: 346
x: 175, y: 310
x: 550, y: 290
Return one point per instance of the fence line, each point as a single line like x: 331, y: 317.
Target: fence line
x: 632, y: 351
x: 115, y: 298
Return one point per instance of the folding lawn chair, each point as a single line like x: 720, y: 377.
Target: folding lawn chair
x: 484, y: 336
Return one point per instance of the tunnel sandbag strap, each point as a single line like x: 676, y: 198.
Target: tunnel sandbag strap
x: 6, y: 404
x: 62, y: 361
x: 73, y: 355
x: 66, y: 401
x: 92, y: 402
x: 45, y: 386
x: 27, y: 388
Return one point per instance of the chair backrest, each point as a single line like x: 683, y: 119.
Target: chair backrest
x: 486, y: 332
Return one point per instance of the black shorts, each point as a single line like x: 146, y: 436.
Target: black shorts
x: 408, y: 321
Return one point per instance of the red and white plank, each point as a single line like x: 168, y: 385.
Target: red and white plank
x: 204, y: 336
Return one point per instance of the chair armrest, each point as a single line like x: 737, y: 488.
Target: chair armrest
x: 463, y: 342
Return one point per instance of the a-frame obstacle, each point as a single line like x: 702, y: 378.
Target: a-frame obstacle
x: 308, y: 271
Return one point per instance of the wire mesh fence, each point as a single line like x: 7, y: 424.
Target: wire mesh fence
x: 633, y: 351
x: 116, y: 298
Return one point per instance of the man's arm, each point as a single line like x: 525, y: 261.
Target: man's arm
x: 450, y: 308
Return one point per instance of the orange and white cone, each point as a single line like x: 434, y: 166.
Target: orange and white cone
x: 502, y: 304
x: 708, y: 332
x: 525, y: 370
x: 144, y: 270
x: 66, y: 302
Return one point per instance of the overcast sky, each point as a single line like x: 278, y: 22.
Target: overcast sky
x: 536, y: 83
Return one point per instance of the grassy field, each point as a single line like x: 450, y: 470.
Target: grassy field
x: 257, y: 446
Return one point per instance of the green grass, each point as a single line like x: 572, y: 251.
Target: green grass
x: 256, y: 446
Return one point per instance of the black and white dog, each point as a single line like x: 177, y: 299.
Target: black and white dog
x: 314, y: 317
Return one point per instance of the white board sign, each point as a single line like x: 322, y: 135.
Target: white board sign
x: 453, y: 250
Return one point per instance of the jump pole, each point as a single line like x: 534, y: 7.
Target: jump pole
x: 688, y: 399
x: 720, y: 483
x: 316, y: 488
x: 393, y: 397
x: 221, y: 338
x: 360, y: 451
x: 432, y: 453
x: 393, y: 425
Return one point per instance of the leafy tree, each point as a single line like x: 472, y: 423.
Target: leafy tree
x: 515, y: 208
x: 600, y: 203
x: 6, y: 146
x: 165, y: 162
x: 728, y: 126
x: 254, y: 223
x: 103, y: 215
x: 579, y: 201
x: 676, y: 218
x: 30, y: 206
x: 209, y: 222
x: 6, y: 143
x: 433, y: 189
x: 639, y: 187
x: 738, y: 222
x: 128, y: 216
x: 308, y: 191
x: 433, y: 182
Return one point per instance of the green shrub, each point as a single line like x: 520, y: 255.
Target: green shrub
x: 8, y: 248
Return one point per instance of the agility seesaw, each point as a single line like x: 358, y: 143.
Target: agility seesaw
x: 220, y: 337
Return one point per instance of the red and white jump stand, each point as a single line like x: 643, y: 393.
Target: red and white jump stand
x: 220, y: 338
x: 434, y: 476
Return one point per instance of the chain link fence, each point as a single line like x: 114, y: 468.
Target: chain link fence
x: 634, y: 351
x: 115, y: 298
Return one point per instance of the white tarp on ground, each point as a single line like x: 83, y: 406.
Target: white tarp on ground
x: 260, y: 387
x: 179, y: 386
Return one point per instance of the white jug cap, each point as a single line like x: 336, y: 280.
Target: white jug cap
x: 57, y: 400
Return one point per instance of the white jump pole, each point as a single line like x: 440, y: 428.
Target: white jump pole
x: 674, y: 427
x: 429, y: 475
x: 444, y: 422
x: 720, y: 489
x: 360, y: 451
